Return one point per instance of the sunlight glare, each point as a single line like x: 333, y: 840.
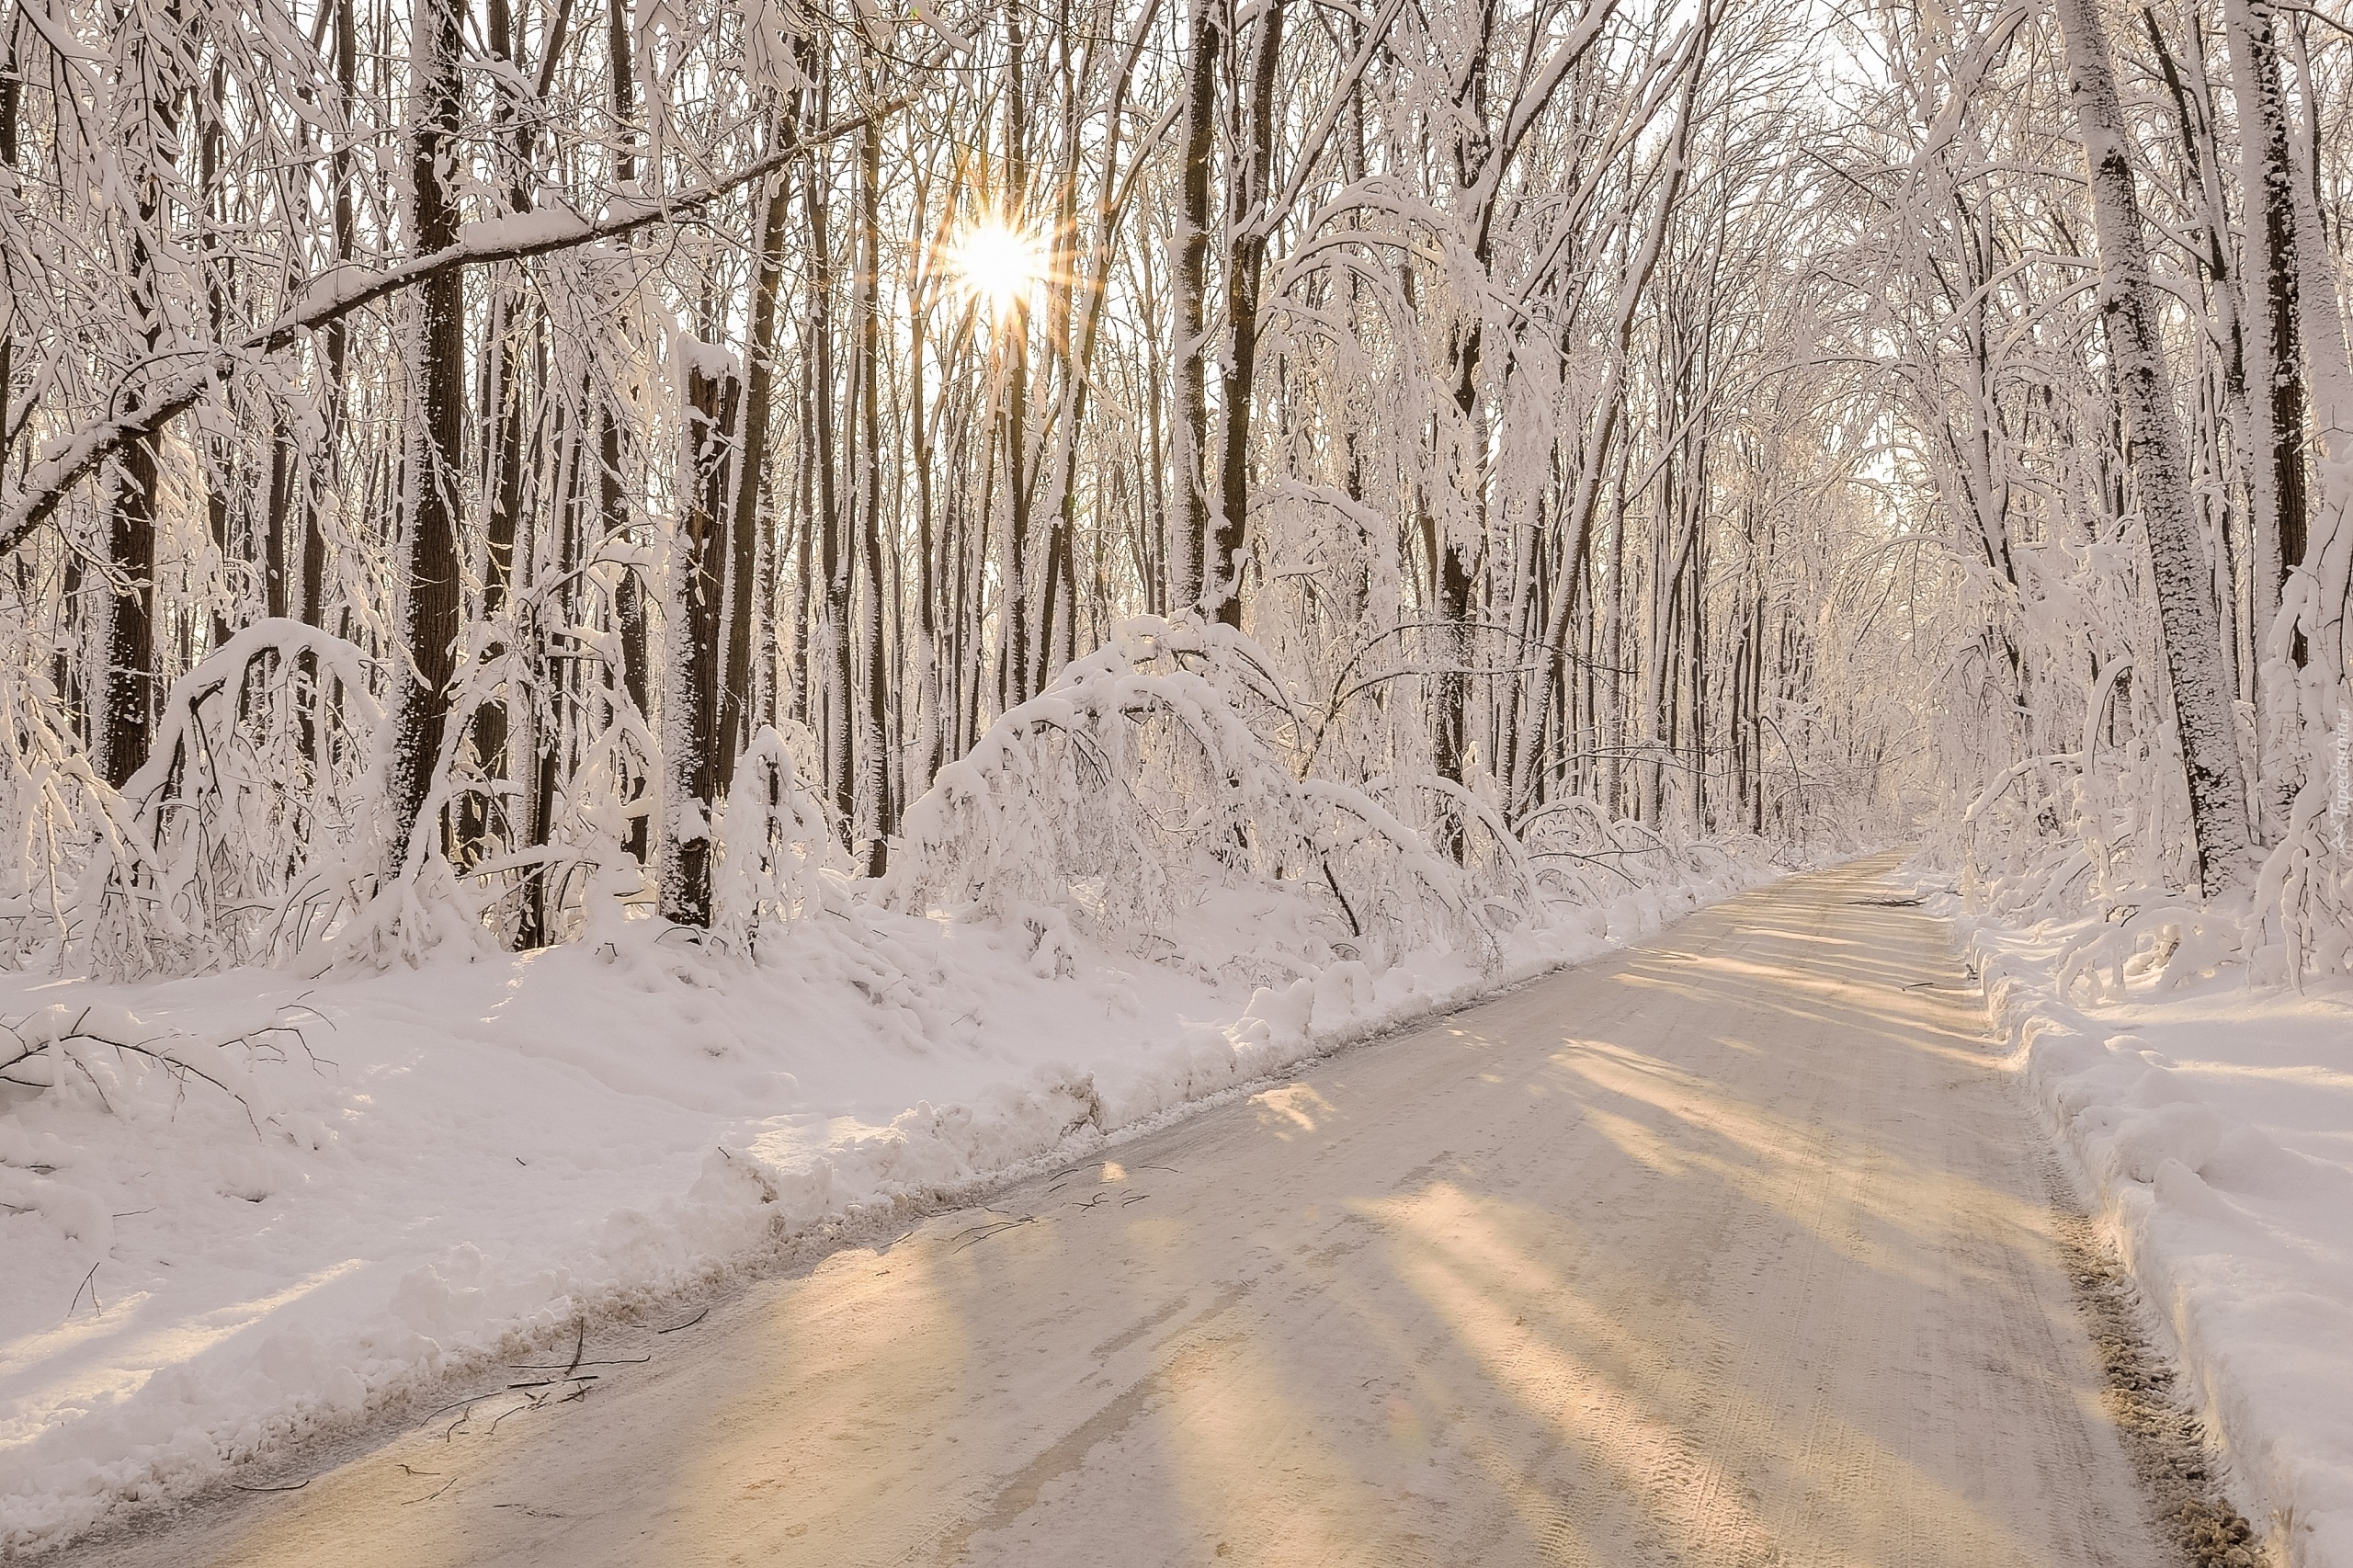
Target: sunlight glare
x: 998, y: 262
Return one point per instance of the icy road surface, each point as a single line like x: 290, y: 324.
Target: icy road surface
x: 1731, y: 1249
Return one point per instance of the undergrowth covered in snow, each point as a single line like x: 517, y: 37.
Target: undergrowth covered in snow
x: 244, y: 1205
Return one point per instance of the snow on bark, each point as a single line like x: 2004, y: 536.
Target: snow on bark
x: 2191, y: 633
x: 691, y: 607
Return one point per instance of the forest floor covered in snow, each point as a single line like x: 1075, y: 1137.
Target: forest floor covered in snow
x: 346, y: 1191
x: 2212, y: 1126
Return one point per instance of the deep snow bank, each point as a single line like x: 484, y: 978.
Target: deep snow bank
x: 2214, y: 1125
x: 422, y: 1164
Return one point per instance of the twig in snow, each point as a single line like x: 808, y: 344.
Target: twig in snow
x: 435, y: 1492
x: 971, y: 1230
x: 551, y: 1367
x: 301, y: 1005
x: 86, y: 1284
x: 985, y: 1232
x: 84, y: 1068
x: 695, y: 1319
x: 469, y: 1401
x: 296, y: 1487
x: 453, y: 1404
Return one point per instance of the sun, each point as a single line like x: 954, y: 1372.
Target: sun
x: 996, y: 262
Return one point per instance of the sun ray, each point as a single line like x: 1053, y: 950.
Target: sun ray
x: 998, y: 262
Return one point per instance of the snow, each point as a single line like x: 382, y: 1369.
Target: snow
x: 403, y: 1175
x: 2212, y: 1123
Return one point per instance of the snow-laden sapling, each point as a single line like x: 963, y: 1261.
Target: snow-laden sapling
x: 1148, y: 796
x: 93, y: 1043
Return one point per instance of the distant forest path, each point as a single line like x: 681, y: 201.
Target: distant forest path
x: 1730, y: 1248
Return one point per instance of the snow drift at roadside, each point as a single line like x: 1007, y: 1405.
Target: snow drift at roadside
x: 246, y: 1206
x: 2209, y: 1121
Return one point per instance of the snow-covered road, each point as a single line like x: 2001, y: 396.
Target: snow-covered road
x: 1729, y: 1249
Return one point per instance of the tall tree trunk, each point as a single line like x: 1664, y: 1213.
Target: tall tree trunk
x: 502, y: 406
x: 747, y: 549
x: 691, y: 590
x: 832, y: 716
x: 335, y: 351
x: 128, y: 676
x: 804, y: 489
x: 2276, y: 457
x: 11, y: 106
x: 2267, y: 180
x: 2186, y: 612
x: 1191, y: 535
x: 1012, y: 343
x: 1254, y: 218
x: 630, y: 616
x: 2328, y: 550
x: 221, y: 458
x: 876, y: 720
x: 427, y: 583
x: 628, y: 596
x: 2235, y: 438
x: 924, y: 761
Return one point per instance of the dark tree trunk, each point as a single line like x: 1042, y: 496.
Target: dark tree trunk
x: 127, y: 681
x: 1191, y: 536
x: 833, y: 564
x: 128, y: 676
x: 628, y: 596
x: 11, y: 105
x: 1012, y: 344
x: 1246, y: 267
x: 690, y: 673
x: 2276, y: 463
x: 876, y: 721
x: 337, y: 348
x: 429, y: 576
x: 746, y: 552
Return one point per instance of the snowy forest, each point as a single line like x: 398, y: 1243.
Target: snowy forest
x: 631, y: 627
x: 469, y: 463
